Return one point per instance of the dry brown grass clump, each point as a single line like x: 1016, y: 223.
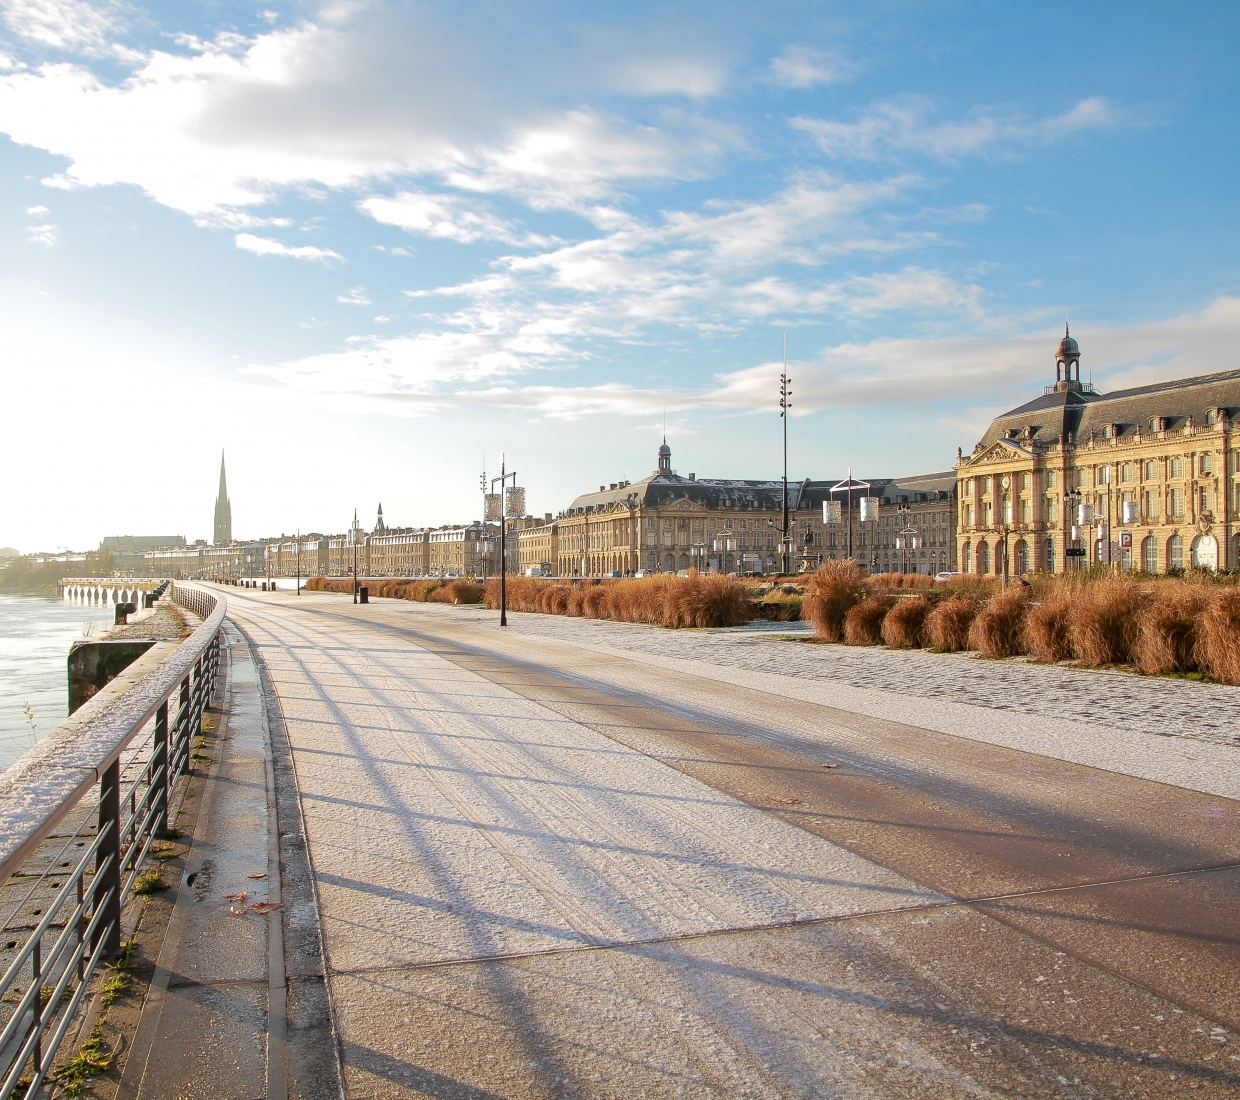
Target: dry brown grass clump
x: 1047, y: 633
x: 669, y: 601
x: 830, y: 594
x: 999, y: 629
x: 947, y: 626
x: 901, y: 580
x: 1167, y: 629
x: 1103, y: 621
x: 863, y: 625
x: 1218, y: 638
x: 904, y: 626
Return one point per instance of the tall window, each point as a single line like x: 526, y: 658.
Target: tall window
x: 1177, y: 503
x: 1050, y: 479
x: 1050, y: 515
x: 1175, y: 552
x: 1177, y: 467
x: 1151, y: 505
x: 1207, y: 465
x: 1026, y: 512
x: 1149, y: 554
x: 1204, y: 503
x: 1050, y: 555
x: 983, y: 558
x: 1126, y: 472
x: 1151, y: 471
x: 966, y: 558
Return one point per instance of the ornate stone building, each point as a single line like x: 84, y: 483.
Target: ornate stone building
x: 1145, y: 478
x: 666, y: 523
x: 538, y: 547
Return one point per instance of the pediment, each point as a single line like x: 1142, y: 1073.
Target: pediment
x: 1002, y: 450
x: 684, y: 505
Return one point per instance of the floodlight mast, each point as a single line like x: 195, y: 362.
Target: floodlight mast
x: 785, y: 403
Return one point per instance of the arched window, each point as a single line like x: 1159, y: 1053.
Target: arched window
x: 983, y: 558
x: 1149, y: 554
x: 1050, y: 555
x: 669, y: 564
x: 1022, y: 558
x: 684, y: 561
x: 966, y: 557
x: 1175, y: 552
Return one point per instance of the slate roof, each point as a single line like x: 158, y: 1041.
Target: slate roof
x: 1082, y: 414
x: 662, y: 490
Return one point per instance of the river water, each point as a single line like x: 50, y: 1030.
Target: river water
x: 35, y: 635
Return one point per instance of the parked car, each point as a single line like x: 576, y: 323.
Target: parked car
x: 946, y: 575
x: 614, y: 573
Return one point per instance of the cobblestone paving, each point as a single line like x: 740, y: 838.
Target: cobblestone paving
x: 1168, y: 707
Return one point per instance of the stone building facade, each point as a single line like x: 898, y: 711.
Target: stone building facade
x: 1145, y: 478
x: 669, y: 523
x: 456, y: 551
x: 538, y: 547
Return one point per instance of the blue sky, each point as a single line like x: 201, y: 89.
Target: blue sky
x: 363, y: 247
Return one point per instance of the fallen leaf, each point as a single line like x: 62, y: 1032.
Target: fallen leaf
x: 235, y: 897
x: 261, y: 907
x: 786, y: 801
x: 828, y: 765
x: 262, y: 874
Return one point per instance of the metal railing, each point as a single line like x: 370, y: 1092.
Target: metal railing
x: 113, y: 791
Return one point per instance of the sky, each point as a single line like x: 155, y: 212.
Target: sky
x: 367, y: 248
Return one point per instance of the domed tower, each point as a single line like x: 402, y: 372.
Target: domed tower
x: 1067, y: 363
x: 665, y: 458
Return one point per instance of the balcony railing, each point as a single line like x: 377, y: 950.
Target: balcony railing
x: 112, y: 792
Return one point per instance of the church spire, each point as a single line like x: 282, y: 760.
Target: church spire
x: 223, y: 511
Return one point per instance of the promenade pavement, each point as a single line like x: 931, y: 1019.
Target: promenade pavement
x: 591, y: 859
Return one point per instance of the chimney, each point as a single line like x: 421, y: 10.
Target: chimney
x: 693, y: 477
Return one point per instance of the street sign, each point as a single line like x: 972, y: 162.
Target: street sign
x: 1125, y: 540
x: 1075, y: 551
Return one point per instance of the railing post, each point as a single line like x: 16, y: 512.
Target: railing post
x: 183, y: 734
x: 106, y: 889
x: 159, y: 769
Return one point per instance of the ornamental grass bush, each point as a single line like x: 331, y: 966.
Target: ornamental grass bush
x: 1167, y: 635
x: 403, y: 588
x: 863, y: 625
x: 698, y: 600
x: 946, y: 629
x: 1218, y: 638
x: 999, y: 629
x: 1102, y: 621
x: 829, y: 595
x: 904, y: 624
x: 1047, y: 634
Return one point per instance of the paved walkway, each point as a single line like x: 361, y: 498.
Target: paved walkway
x: 524, y: 895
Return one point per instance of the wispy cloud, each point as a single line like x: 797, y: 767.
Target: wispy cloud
x: 448, y: 217
x: 265, y: 246
x: 805, y: 67
x: 68, y: 25
x: 911, y: 124
x: 355, y: 297
x: 41, y: 234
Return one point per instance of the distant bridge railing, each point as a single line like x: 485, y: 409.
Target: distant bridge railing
x: 106, y: 590
x: 81, y: 772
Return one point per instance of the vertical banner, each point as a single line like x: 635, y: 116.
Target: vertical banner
x: 869, y: 509
x: 493, y: 508
x: 515, y: 502
x: 831, y: 511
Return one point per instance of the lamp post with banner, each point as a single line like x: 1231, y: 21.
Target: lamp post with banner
x: 514, y: 496
x: 299, y: 561
x: 353, y: 541
x: 848, y: 485
x: 482, y: 485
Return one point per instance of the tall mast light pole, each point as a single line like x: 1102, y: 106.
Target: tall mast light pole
x: 785, y: 403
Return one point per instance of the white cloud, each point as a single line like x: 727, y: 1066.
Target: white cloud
x: 908, y: 124
x: 984, y: 375
x: 41, y: 234
x: 234, y: 120
x: 61, y: 24
x: 265, y: 246
x: 37, y: 211
x: 803, y: 67
x: 355, y: 297
x: 448, y: 217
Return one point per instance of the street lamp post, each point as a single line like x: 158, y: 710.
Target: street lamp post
x: 299, y: 561
x: 849, y: 485
x: 353, y: 539
x: 504, y: 475
x: 785, y: 403
x: 1005, y: 501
